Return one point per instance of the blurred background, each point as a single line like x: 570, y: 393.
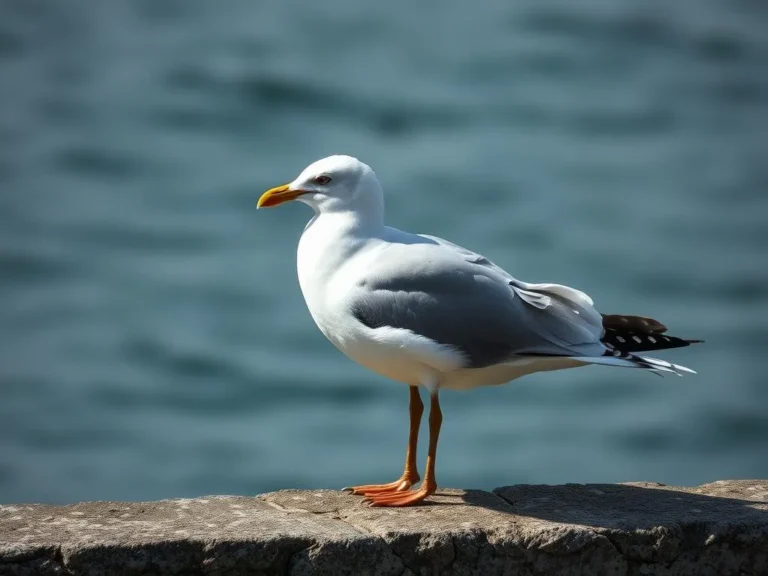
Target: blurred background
x: 153, y: 339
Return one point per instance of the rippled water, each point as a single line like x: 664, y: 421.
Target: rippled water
x: 153, y: 339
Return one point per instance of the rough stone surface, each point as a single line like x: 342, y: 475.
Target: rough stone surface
x: 639, y: 528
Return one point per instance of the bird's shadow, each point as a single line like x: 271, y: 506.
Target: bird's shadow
x: 621, y: 506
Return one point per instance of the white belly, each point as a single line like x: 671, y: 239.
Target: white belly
x: 503, y: 373
x: 397, y: 354
x: 406, y: 357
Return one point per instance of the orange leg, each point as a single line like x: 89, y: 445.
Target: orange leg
x: 429, y: 486
x: 410, y: 474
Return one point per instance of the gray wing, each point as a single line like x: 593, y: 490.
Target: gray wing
x: 537, y: 295
x: 458, y: 298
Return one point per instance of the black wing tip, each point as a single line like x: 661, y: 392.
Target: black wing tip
x: 628, y: 341
x: 634, y: 324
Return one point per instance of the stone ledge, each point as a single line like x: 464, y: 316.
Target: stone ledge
x: 637, y: 528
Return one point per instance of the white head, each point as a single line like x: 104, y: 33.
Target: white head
x: 333, y: 184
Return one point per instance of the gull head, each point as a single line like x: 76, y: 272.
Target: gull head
x: 333, y: 184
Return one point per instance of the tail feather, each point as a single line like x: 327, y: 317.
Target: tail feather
x: 655, y: 362
x: 623, y: 336
x: 638, y: 334
x: 627, y: 360
x: 626, y: 323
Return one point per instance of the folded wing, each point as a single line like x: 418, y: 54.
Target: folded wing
x: 460, y: 299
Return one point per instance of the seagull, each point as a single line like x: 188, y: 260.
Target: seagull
x: 423, y: 311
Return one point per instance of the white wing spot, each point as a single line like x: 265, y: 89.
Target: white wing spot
x: 651, y: 339
x: 637, y: 339
x: 617, y: 353
x: 620, y: 339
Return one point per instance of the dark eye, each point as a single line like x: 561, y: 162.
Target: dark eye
x: 322, y: 180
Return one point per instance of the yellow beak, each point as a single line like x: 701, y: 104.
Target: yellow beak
x: 278, y: 195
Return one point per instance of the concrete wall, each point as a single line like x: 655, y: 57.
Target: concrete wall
x: 639, y: 528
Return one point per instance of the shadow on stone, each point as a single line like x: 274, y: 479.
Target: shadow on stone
x: 644, y: 528
x: 622, y: 506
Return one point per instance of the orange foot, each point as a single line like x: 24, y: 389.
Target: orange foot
x: 400, y: 485
x: 403, y: 498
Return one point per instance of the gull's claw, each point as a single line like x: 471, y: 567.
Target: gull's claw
x: 401, y: 484
x: 398, y: 499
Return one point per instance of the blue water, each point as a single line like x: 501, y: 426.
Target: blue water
x: 153, y: 339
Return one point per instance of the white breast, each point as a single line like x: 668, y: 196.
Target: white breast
x: 330, y: 259
x: 325, y: 249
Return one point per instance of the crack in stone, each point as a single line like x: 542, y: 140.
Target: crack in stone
x: 340, y: 518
